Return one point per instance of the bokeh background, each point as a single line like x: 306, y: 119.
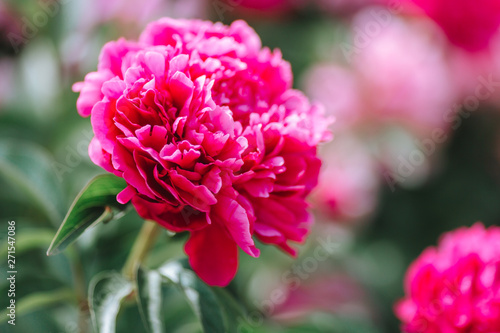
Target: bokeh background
x: 415, y: 92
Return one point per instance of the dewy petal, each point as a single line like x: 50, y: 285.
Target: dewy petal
x: 213, y: 255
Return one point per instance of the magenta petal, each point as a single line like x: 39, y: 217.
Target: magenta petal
x: 99, y: 156
x: 181, y: 87
x: 236, y: 219
x: 195, y: 195
x: 156, y: 63
x: 90, y: 91
x: 126, y: 195
x: 212, y: 180
x: 213, y: 255
x: 259, y: 187
x: 103, y: 124
x: 113, y: 89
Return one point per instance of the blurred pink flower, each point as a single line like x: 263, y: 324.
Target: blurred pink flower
x: 468, y: 24
x: 455, y: 287
x: 202, y: 123
x: 347, y: 6
x: 11, y: 42
x: 400, y: 76
x: 11, y: 35
x: 259, y: 8
x: 337, y: 88
x: 262, y: 5
x: 332, y: 293
x: 477, y: 74
x: 349, y: 180
x: 141, y: 11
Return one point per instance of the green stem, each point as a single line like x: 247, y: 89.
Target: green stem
x: 80, y: 288
x: 143, y: 243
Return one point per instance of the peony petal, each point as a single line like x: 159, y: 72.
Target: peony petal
x: 126, y: 195
x: 213, y: 255
x: 99, y: 156
x: 236, y: 219
x: 90, y: 91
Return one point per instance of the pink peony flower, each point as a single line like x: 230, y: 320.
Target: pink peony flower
x: 468, y: 24
x: 202, y: 123
x: 349, y: 180
x: 455, y: 287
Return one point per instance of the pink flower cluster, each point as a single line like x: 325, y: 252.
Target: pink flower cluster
x: 455, y: 287
x: 202, y: 123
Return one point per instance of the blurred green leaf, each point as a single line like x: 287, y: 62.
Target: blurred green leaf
x: 29, y: 239
x: 96, y: 203
x: 28, y: 167
x: 38, y: 301
x: 200, y: 296
x: 233, y: 311
x: 149, y: 299
x: 106, y: 292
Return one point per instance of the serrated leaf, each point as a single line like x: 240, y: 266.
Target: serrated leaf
x: 96, y: 203
x: 200, y: 297
x: 38, y: 301
x: 149, y: 299
x: 106, y: 292
x: 28, y: 167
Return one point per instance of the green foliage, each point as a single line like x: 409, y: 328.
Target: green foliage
x: 38, y: 301
x: 96, y: 203
x: 106, y: 292
x: 148, y: 293
x: 201, y: 297
x: 28, y: 167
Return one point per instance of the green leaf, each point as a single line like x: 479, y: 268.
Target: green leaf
x: 38, y: 301
x: 106, y: 292
x: 28, y: 167
x: 96, y: 203
x: 233, y: 311
x: 200, y: 296
x: 149, y: 299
